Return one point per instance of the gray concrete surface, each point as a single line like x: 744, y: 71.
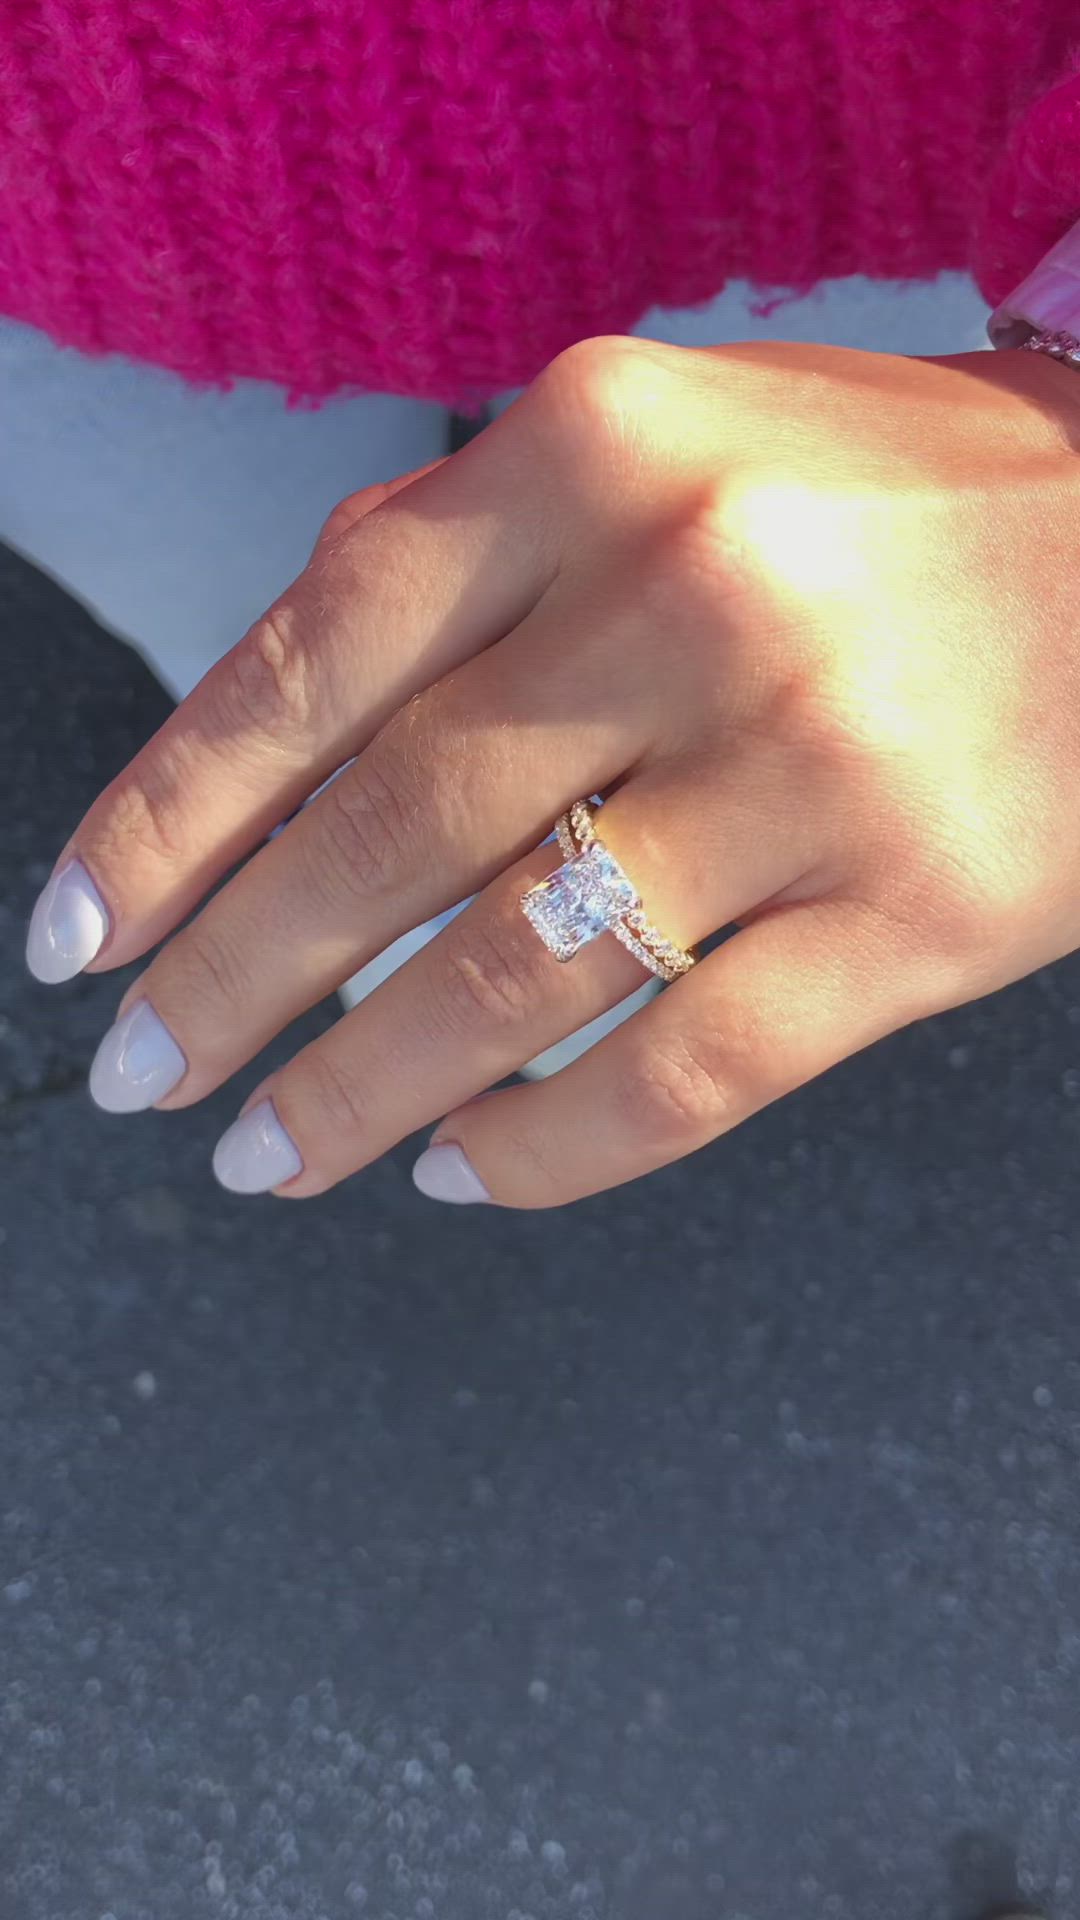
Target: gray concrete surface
x: 709, y: 1552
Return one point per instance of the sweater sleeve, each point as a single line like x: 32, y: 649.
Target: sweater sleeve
x: 1033, y: 193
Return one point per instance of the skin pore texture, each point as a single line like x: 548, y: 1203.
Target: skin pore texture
x: 806, y: 616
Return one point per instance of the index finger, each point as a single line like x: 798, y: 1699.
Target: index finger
x: 429, y: 574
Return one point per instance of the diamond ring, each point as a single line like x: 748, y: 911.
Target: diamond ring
x: 590, y: 895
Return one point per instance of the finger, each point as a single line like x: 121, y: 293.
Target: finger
x: 472, y: 1005
x: 459, y: 785
x: 788, y: 997
x: 433, y: 574
x: 481, y: 999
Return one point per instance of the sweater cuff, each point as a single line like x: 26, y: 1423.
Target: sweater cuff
x: 1032, y: 202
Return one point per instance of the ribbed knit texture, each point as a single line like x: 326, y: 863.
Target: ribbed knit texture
x: 435, y: 196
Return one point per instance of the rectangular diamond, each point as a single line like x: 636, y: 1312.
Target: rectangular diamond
x: 579, y: 901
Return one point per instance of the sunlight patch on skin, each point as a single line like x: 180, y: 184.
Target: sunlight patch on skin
x: 809, y: 539
x: 846, y: 558
x: 837, y: 562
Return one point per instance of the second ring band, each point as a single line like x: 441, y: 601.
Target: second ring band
x: 590, y: 894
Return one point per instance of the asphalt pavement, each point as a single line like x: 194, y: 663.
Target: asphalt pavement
x: 708, y: 1551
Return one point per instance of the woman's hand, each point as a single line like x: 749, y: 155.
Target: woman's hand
x: 809, y: 617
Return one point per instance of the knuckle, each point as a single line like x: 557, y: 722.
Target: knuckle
x: 144, y: 814
x: 208, y: 967
x: 536, y: 1172
x: 970, y: 908
x: 678, y: 1093
x: 372, y: 819
x: 962, y: 908
x: 956, y: 892
x: 349, y: 511
x: 331, y: 1097
x: 267, y: 682
x: 851, y: 723
x: 489, y: 976
x: 595, y: 388
x: 695, y: 559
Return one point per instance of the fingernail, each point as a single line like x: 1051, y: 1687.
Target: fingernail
x: 67, y: 926
x: 256, y: 1153
x: 137, y: 1062
x: 444, y: 1173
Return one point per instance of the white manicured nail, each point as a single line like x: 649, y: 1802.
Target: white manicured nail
x: 256, y: 1153
x: 444, y: 1173
x: 137, y: 1062
x: 67, y: 926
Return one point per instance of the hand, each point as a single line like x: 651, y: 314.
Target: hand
x: 807, y: 616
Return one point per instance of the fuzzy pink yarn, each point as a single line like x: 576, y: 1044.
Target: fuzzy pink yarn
x: 1034, y: 191
x: 435, y: 196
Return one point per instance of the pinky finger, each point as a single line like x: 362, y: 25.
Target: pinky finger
x: 791, y: 995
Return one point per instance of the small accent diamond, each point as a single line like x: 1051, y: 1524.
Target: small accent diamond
x: 568, y: 846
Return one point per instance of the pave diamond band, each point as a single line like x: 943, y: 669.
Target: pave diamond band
x: 590, y: 895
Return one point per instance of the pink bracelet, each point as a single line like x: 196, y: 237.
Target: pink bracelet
x: 1043, y: 312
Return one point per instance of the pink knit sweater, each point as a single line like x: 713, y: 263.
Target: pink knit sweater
x: 434, y: 196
